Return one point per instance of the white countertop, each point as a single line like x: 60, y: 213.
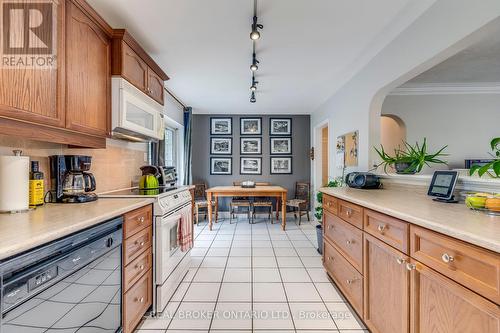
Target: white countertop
x: 455, y: 220
x: 24, y: 231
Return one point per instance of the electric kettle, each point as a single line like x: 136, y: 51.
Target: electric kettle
x: 149, y: 178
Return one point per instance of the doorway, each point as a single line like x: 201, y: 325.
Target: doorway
x: 324, y: 155
x: 321, y: 163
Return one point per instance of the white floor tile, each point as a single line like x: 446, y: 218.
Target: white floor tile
x: 221, y: 243
x: 343, y: 316
x: 214, y: 262
x: 235, y: 292
x: 285, y: 252
x: 281, y: 243
x: 239, y: 262
x: 294, y: 275
x: 272, y: 316
x: 262, y: 252
x: 318, y: 274
x: 328, y: 292
x: 193, y: 316
x: 190, y: 275
x: 209, y: 275
x: 266, y: 275
x: 223, y: 237
x: 264, y: 262
x: 202, y: 243
x: 180, y: 292
x: 218, y: 252
x: 161, y: 322
x: 240, y: 252
x: 202, y: 292
x: 301, y: 243
x: 289, y: 262
x: 311, y: 316
x: 301, y: 292
x: 268, y: 292
x: 312, y: 262
x: 307, y: 252
x: 234, y: 316
x: 260, y: 243
x: 195, y: 262
x: 242, y: 243
x: 199, y: 251
x: 238, y: 275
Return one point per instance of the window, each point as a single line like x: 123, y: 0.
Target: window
x: 170, y: 147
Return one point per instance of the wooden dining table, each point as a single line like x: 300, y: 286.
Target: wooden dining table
x: 278, y: 192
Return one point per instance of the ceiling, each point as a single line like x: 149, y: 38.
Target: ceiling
x: 308, y: 49
x: 479, y: 63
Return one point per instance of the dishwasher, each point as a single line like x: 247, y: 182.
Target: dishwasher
x: 70, y: 285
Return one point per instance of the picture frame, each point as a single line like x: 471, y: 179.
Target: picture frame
x: 251, y: 126
x: 280, y: 145
x: 280, y: 126
x: 221, y: 166
x: 281, y: 166
x: 250, y: 145
x: 251, y: 165
x: 221, y: 146
x: 221, y: 126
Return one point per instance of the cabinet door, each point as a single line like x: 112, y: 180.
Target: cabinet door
x: 36, y: 94
x: 155, y: 86
x: 386, y: 287
x: 134, y: 69
x: 441, y: 305
x: 88, y: 65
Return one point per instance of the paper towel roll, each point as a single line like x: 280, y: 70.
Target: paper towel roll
x: 14, y: 183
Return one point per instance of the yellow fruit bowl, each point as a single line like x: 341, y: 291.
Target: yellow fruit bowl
x: 481, y: 201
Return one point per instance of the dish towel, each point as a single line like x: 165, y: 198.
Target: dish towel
x: 185, y: 232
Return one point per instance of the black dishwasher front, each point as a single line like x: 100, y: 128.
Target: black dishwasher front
x: 70, y: 285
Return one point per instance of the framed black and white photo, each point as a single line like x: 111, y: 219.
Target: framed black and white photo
x: 281, y: 146
x: 221, y: 165
x: 250, y: 146
x: 251, y: 165
x: 281, y: 165
x: 280, y: 126
x: 221, y: 126
x: 251, y: 126
x: 221, y: 146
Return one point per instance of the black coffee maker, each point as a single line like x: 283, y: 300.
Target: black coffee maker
x: 70, y: 181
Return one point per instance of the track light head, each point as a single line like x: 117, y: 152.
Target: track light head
x: 254, y: 67
x: 253, y: 87
x: 255, y: 34
x: 252, y: 98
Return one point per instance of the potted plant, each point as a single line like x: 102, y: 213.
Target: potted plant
x: 410, y: 159
x: 318, y: 213
x: 494, y: 165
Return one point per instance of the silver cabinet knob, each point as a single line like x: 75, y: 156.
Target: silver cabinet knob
x: 381, y: 227
x: 351, y: 281
x: 348, y: 212
x: 141, y: 219
x: 140, y: 300
x: 329, y: 204
x: 329, y: 258
x: 447, y: 258
x: 349, y: 242
x: 329, y: 226
x: 401, y: 261
x: 411, y: 267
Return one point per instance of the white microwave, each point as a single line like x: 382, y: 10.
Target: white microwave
x: 135, y: 116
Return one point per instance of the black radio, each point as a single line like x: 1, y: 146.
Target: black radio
x: 363, y: 180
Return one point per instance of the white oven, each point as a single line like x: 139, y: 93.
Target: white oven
x: 170, y: 262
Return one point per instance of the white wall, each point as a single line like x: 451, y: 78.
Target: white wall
x: 444, y: 29
x: 466, y: 123
x: 392, y: 132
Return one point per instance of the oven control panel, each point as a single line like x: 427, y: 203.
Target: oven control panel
x: 172, y: 201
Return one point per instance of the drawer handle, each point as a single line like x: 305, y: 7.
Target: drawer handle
x: 329, y: 204
x: 141, y: 220
x: 348, y: 212
x: 401, y: 261
x: 349, y: 242
x: 411, y: 267
x: 141, y: 267
x: 351, y: 281
x: 381, y: 228
x: 329, y: 226
x: 329, y: 258
x: 140, y: 300
x: 447, y: 258
x: 141, y: 244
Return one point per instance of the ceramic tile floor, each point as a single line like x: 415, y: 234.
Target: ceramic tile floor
x: 255, y: 278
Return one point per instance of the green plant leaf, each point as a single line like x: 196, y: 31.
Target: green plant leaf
x: 496, y: 168
x: 494, y: 143
x: 482, y: 170
x: 473, y: 169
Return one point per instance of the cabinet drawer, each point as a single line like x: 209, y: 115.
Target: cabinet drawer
x: 347, y: 238
x: 475, y: 268
x: 388, y: 229
x: 137, y: 220
x: 347, y: 278
x: 330, y: 204
x: 137, y: 301
x: 137, y: 244
x: 136, y: 269
x: 351, y: 213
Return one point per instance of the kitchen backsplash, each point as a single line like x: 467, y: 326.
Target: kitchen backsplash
x: 115, y: 167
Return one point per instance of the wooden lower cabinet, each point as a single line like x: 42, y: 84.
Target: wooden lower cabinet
x: 386, y: 287
x: 137, y: 301
x: 441, y: 305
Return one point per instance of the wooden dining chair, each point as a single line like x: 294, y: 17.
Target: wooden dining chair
x: 301, y: 203
x: 236, y: 203
x: 263, y: 202
x: 201, y: 202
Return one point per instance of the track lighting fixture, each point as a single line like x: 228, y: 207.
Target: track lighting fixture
x: 255, y: 34
x: 253, y: 87
x: 253, y: 66
x: 252, y: 98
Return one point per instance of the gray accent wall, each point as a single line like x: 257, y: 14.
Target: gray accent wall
x: 301, y: 164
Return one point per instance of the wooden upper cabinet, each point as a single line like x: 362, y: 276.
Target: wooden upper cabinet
x: 155, y: 86
x: 386, y: 288
x: 134, y: 68
x: 36, y: 95
x: 88, y: 66
x: 439, y: 304
x: 130, y: 61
